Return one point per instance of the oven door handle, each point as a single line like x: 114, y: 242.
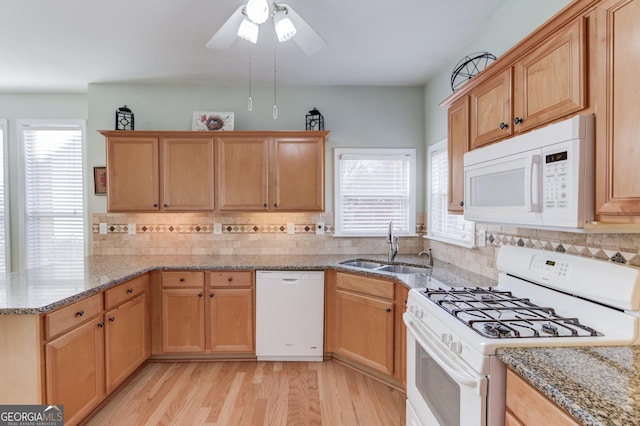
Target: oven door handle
x: 459, y: 375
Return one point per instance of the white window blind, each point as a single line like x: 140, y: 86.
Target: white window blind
x: 441, y: 225
x: 53, y: 193
x: 372, y: 187
x: 4, y: 241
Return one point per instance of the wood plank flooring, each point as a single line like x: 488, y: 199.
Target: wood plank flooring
x: 252, y: 393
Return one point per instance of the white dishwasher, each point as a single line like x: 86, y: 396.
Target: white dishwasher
x: 289, y: 315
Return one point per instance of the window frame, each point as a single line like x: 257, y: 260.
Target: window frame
x: 440, y: 146
x: 21, y: 125
x: 409, y: 153
x: 7, y: 206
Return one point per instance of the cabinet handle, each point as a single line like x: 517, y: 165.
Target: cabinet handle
x: 461, y: 203
x: 275, y: 204
x: 129, y: 290
x: 265, y: 205
x: 211, y: 295
x: 388, y: 309
x: 517, y: 120
x: 199, y: 294
x: 181, y: 280
x: 101, y: 324
x: 80, y: 313
x: 503, y: 125
x: 112, y: 319
x: 230, y: 279
x: 165, y: 205
x: 155, y: 205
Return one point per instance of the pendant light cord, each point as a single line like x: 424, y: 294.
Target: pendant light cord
x: 275, y: 82
x: 250, y: 101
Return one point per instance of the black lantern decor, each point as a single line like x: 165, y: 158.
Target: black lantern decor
x: 315, y: 120
x: 124, y: 118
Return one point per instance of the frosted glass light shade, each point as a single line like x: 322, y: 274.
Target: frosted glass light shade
x: 257, y: 11
x: 248, y: 31
x: 284, y: 27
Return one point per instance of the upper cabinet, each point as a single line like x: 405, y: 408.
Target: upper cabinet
x: 277, y: 172
x: 146, y: 173
x: 458, y: 144
x: 151, y: 171
x: 617, y: 59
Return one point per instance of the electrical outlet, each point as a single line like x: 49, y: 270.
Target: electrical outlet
x: 102, y: 228
x: 319, y: 228
x: 217, y: 228
x: 291, y: 228
x: 482, y: 238
x: 131, y: 229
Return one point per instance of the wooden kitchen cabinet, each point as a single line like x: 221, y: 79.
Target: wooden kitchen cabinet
x: 75, y: 369
x: 150, y: 172
x: 526, y: 406
x: 274, y: 172
x: 490, y: 115
x: 231, y: 312
x: 364, y: 321
x: 617, y: 58
x: 127, y: 339
x: 458, y: 144
x: 183, y: 320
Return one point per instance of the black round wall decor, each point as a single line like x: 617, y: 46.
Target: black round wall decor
x: 468, y: 67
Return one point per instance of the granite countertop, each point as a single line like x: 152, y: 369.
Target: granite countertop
x: 596, y: 385
x: 42, y: 289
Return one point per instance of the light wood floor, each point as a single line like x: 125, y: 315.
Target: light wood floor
x: 252, y: 393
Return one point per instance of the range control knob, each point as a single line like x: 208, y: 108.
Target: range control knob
x: 445, y: 338
x: 455, y: 347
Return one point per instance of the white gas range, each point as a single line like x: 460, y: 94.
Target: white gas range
x: 542, y: 298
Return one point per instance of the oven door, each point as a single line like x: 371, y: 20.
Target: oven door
x: 439, y: 390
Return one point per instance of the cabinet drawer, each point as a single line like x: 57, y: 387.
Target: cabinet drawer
x: 182, y: 279
x: 72, y: 315
x: 125, y: 291
x: 230, y: 279
x: 365, y: 285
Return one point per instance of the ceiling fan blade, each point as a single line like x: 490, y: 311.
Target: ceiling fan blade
x: 226, y: 35
x: 306, y: 37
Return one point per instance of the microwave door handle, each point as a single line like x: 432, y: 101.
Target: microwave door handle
x: 423, y: 339
x: 532, y: 184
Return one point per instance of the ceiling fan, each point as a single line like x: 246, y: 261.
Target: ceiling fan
x: 246, y: 19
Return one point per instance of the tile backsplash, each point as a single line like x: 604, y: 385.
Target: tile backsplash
x: 268, y: 233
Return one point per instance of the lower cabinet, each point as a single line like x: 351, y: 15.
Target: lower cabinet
x: 363, y: 325
x: 75, y: 370
x: 207, y: 312
x: 528, y: 407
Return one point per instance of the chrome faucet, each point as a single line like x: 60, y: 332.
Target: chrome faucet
x: 393, y: 243
x: 429, y: 256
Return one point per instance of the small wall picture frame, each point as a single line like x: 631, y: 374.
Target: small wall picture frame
x: 100, y: 180
x: 212, y: 121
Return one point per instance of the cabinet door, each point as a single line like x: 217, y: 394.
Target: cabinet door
x: 75, y: 370
x: 183, y: 320
x: 491, y: 110
x: 243, y: 173
x: 297, y: 175
x: 187, y: 174
x: 364, y: 330
x: 458, y: 143
x: 132, y: 174
x: 617, y: 59
x: 231, y: 320
x: 127, y: 343
x: 550, y: 81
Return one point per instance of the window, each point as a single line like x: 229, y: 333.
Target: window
x: 4, y: 230
x: 372, y: 187
x: 441, y: 225
x: 53, y: 208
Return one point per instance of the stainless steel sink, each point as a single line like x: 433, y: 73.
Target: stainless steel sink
x: 385, y: 267
x: 359, y: 263
x: 401, y: 269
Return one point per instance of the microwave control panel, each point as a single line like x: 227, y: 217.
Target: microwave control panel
x: 556, y: 180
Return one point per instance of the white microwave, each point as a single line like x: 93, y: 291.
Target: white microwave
x: 541, y: 179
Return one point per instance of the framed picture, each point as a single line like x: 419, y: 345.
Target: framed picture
x: 100, y: 180
x: 208, y: 121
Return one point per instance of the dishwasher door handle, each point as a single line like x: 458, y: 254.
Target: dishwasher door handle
x: 290, y: 280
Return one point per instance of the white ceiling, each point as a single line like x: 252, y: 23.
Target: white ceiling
x: 63, y: 45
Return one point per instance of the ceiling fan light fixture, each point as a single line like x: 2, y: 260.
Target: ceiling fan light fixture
x: 284, y: 27
x: 257, y: 11
x: 248, y: 31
